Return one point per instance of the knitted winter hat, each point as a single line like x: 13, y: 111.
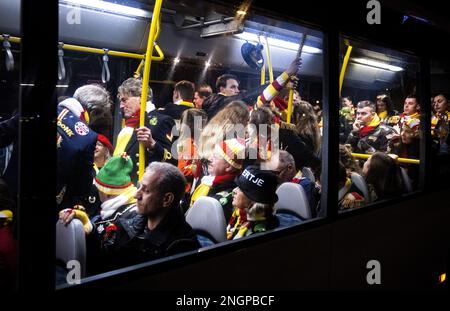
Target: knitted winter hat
x: 232, y: 151
x: 258, y: 185
x: 105, y: 141
x: 114, y: 177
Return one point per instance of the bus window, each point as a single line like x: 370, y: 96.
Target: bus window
x: 440, y: 111
x: 232, y: 130
x: 379, y: 121
x: 9, y: 143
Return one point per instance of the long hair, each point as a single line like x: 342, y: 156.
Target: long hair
x: 349, y: 162
x: 388, y: 101
x: 306, y: 124
x: 223, y: 123
x: 188, y: 128
x: 384, y: 175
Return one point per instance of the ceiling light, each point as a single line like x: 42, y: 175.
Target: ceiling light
x: 376, y: 64
x: 207, y: 64
x: 176, y: 60
x: 248, y: 36
x: 241, y: 12
x: 109, y: 7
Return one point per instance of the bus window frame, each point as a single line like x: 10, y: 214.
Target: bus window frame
x: 330, y: 29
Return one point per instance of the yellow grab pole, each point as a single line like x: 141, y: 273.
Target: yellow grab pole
x: 400, y: 160
x: 146, y: 77
x: 263, y: 75
x: 344, y: 68
x: 160, y: 56
x: 269, y: 60
x: 137, y: 73
x: 290, y: 101
x: 79, y: 48
x: 13, y: 39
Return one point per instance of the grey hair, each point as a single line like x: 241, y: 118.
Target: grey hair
x: 367, y: 103
x: 93, y: 96
x: 170, y: 179
x: 133, y: 87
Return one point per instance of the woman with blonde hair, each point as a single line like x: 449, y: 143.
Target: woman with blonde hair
x: 230, y: 122
x: 307, y: 126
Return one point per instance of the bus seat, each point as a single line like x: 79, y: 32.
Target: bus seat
x: 307, y: 172
x: 71, y: 243
x: 292, y: 205
x: 406, y: 180
x: 361, y: 184
x: 207, y: 219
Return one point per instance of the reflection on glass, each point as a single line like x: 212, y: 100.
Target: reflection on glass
x: 379, y: 125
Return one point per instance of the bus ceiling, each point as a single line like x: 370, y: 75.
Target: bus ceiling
x: 186, y: 34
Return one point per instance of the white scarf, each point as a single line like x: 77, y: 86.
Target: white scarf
x: 110, y: 206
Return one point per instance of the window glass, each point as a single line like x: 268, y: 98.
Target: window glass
x: 232, y: 131
x: 9, y: 140
x: 379, y: 122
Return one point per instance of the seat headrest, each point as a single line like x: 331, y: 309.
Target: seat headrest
x: 71, y: 243
x: 206, y: 215
x: 292, y: 197
x: 361, y: 184
x: 308, y: 173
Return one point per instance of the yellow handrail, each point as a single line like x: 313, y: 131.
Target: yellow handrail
x: 137, y: 73
x: 269, y: 60
x: 344, y: 68
x: 87, y: 49
x: 146, y: 77
x: 400, y: 160
x: 263, y: 75
x: 290, y: 101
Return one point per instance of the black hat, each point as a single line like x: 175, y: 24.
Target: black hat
x: 258, y: 185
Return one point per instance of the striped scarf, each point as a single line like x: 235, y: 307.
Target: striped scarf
x: 109, y: 207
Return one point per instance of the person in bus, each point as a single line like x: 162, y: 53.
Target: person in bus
x: 369, y: 135
x: 9, y: 139
x: 383, y: 177
x: 306, y: 125
x: 227, y: 86
x: 385, y: 110
x: 189, y: 161
x: 76, y: 143
x: 349, y: 196
x: 288, y: 139
x: 158, y: 228
x: 202, y: 93
x: 8, y: 242
x: 284, y: 168
x: 224, y: 167
x: 411, y: 110
x: 155, y: 135
x: 440, y: 124
x: 117, y: 197
x: 103, y: 152
x: 254, y: 199
x: 346, y: 118
x: 183, y: 96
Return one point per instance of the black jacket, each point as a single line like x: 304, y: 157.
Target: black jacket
x: 173, y: 110
x: 216, y: 102
x: 134, y: 243
x: 303, y: 154
x: 9, y: 133
x: 161, y: 128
